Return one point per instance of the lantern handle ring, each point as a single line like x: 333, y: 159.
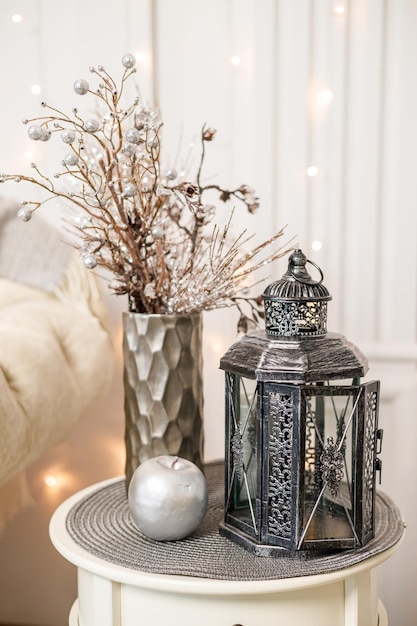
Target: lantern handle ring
x: 308, y: 282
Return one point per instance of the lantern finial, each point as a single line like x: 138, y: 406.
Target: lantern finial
x: 296, y: 305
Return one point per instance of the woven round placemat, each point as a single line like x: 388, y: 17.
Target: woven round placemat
x: 101, y: 524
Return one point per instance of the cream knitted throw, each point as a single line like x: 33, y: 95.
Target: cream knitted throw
x: 55, y: 350
x: 31, y: 253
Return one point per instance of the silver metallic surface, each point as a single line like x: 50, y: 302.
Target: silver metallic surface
x: 296, y: 305
x: 309, y: 486
x: 296, y: 360
x: 163, y: 385
x: 168, y: 498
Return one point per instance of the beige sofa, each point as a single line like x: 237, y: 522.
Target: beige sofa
x: 55, y: 352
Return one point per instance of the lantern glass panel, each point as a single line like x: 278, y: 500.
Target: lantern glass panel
x: 243, y: 396
x: 331, y: 418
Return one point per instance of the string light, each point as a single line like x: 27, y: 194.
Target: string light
x: 326, y: 96
x: 217, y: 347
x: 312, y: 170
x: 17, y: 18
x: 235, y: 60
x: 316, y: 245
x: 50, y: 481
x: 30, y: 155
x: 143, y: 58
x: 339, y: 8
x: 36, y: 89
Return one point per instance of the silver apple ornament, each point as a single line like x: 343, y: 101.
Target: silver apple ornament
x: 167, y: 498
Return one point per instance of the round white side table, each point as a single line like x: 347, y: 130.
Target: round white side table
x: 119, y: 594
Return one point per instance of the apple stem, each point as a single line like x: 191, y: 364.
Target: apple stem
x: 173, y: 462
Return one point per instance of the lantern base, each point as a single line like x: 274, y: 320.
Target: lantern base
x: 263, y: 550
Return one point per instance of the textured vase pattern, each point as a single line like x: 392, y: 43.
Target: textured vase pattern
x: 163, y: 385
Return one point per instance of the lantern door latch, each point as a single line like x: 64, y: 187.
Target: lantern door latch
x: 378, y: 468
x: 379, y: 437
x: 378, y: 462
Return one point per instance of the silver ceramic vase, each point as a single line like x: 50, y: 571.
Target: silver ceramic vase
x: 163, y: 386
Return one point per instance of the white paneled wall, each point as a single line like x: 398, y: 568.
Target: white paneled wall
x: 319, y: 83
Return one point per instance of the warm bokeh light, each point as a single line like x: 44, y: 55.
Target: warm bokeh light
x: 50, y: 481
x: 235, y: 60
x: 317, y: 245
x: 29, y: 154
x: 36, y: 89
x: 143, y: 58
x: 326, y: 96
x: 313, y: 170
x: 17, y: 18
x: 217, y: 347
x: 339, y: 8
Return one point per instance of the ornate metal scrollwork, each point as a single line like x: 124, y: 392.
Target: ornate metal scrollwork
x: 237, y: 452
x: 280, y: 453
x: 368, y: 470
x: 331, y: 460
x: 295, y: 318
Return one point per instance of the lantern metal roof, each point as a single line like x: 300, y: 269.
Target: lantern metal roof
x: 305, y: 360
x: 297, y: 284
x: 295, y: 345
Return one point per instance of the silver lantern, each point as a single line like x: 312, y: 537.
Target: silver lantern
x: 302, y: 434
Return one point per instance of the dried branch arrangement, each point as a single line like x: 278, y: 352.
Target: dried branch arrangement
x: 148, y: 225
